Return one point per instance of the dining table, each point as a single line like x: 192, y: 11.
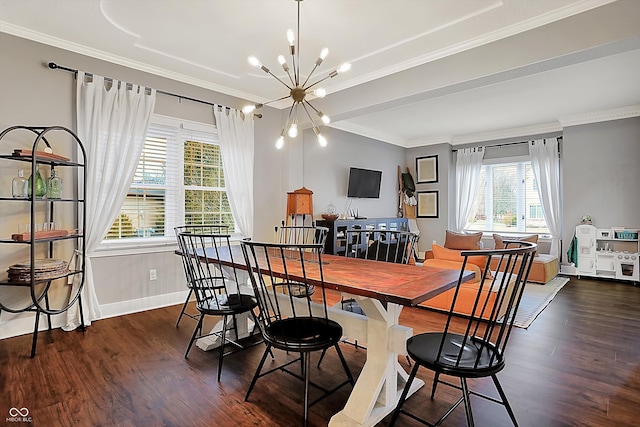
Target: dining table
x: 382, y: 290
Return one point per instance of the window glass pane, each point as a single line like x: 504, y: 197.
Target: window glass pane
x: 141, y: 215
x: 175, y: 162
x: 507, y: 200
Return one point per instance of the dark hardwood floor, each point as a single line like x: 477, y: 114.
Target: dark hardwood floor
x: 578, y: 364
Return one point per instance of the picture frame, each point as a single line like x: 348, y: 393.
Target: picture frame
x: 427, y: 169
x: 428, y: 204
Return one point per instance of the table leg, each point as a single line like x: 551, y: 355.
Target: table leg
x: 379, y: 385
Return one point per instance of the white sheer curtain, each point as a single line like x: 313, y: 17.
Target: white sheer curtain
x: 545, y: 160
x: 112, y: 121
x: 468, y: 165
x: 235, y: 133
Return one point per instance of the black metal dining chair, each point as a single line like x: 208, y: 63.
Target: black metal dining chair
x: 219, y: 289
x: 474, y: 346
x: 301, y: 234
x: 288, y: 323
x: 379, y: 245
x: 202, y: 229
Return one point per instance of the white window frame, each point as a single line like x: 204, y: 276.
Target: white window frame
x: 175, y: 216
x: 521, y: 207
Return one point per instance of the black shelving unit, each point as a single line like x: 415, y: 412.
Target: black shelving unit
x: 335, y: 243
x: 39, y: 289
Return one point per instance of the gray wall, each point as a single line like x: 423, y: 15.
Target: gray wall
x: 600, y: 165
x: 31, y: 94
x: 326, y: 172
x: 433, y: 229
x: 601, y: 175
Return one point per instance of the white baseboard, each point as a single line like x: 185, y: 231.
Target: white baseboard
x: 24, y: 322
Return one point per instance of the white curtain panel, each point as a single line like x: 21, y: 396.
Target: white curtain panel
x: 112, y: 122
x: 235, y: 133
x: 468, y: 165
x: 545, y: 160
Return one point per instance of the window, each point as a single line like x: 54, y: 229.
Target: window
x: 179, y: 180
x: 507, y: 200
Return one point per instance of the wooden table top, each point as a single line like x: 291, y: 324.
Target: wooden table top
x: 388, y: 282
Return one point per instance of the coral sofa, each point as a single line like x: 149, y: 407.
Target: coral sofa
x: 545, y: 267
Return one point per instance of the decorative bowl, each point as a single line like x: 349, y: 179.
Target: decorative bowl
x: 329, y: 217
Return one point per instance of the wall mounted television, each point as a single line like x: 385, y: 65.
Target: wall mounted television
x: 364, y: 183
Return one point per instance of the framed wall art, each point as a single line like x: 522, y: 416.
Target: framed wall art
x: 427, y: 204
x: 427, y: 169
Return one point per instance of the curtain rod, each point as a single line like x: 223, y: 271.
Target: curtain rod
x: 54, y: 66
x: 502, y: 145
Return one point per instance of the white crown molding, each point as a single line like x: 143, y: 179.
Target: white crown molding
x: 601, y: 116
x: 443, y: 139
x: 369, y: 133
x: 24, y: 33
x: 516, y: 132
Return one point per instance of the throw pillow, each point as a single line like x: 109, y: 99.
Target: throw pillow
x: 462, y: 241
x: 499, y: 240
x: 454, y: 255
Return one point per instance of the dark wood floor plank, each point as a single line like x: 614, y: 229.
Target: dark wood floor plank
x: 578, y: 364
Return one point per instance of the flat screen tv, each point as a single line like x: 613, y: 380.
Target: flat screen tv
x: 364, y: 183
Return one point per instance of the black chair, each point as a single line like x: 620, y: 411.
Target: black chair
x: 291, y: 324
x: 474, y: 346
x: 301, y: 234
x: 217, y: 288
x: 379, y: 245
x: 205, y: 229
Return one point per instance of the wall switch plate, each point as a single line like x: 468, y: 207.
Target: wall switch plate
x: 152, y: 274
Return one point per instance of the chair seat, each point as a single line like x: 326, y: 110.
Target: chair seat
x: 227, y: 304
x: 303, y: 333
x: 479, y: 359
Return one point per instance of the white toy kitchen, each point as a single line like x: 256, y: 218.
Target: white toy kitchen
x: 608, y: 253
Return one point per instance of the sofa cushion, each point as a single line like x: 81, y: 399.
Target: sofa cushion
x: 544, y: 268
x: 454, y: 255
x: 462, y: 241
x: 467, y: 296
x: 499, y: 240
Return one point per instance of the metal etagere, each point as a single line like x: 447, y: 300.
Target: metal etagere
x: 37, y: 272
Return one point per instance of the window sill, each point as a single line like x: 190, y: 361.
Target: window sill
x: 135, y: 246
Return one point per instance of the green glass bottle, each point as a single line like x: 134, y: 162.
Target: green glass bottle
x: 54, y: 186
x: 40, y: 186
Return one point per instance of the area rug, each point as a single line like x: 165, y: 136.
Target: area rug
x: 535, y: 298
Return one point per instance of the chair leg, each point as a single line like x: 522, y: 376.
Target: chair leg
x: 435, y: 384
x: 257, y: 374
x: 324, y: 351
x: 344, y: 365
x: 504, y: 400
x: 306, y: 359
x: 467, y: 402
x: 184, y: 307
x: 195, y: 334
x: 403, y: 397
x: 223, y: 338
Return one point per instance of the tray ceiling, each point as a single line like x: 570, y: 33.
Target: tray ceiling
x: 423, y: 71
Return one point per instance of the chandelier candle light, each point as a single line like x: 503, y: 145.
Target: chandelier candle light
x: 298, y: 90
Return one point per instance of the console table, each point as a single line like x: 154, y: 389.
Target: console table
x: 335, y: 238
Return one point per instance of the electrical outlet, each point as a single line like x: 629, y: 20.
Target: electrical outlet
x: 152, y: 274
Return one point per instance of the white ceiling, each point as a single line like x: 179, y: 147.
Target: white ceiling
x: 423, y: 71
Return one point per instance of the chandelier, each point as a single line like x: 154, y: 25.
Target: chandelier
x: 298, y: 89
